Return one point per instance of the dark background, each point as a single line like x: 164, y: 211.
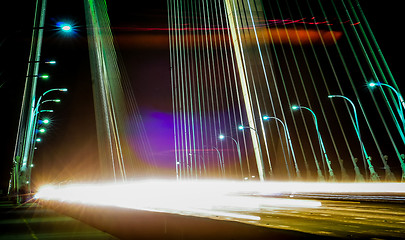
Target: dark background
x: 69, y: 149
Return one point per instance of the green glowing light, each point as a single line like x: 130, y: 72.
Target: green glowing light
x: 45, y: 121
x: 44, y: 76
x: 42, y: 130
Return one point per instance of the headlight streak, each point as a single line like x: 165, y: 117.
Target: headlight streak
x: 226, y: 199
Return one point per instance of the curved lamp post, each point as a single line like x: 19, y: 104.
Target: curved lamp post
x: 288, y: 139
x: 400, y: 110
x: 401, y: 101
x: 221, y: 137
x: 30, y: 136
x: 220, y: 162
x: 260, y: 166
x: 373, y: 174
x: 328, y: 163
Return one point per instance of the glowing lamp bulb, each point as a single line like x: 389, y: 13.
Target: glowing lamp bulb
x: 266, y: 117
x: 295, y: 107
x: 241, y: 127
x: 45, y: 121
x: 66, y: 27
x: 221, y: 136
x: 42, y: 130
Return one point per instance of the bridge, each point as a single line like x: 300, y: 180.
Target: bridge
x: 251, y: 106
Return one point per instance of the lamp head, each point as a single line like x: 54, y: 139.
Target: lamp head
x: 221, y: 136
x: 295, y: 107
x: 265, y: 117
x: 241, y: 127
x: 373, y: 84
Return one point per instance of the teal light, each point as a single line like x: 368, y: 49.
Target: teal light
x: 241, y: 127
x: 45, y: 121
x: 50, y: 62
x: 221, y: 136
x: 42, y: 130
x: 38, y: 140
x: 266, y: 117
x: 66, y: 27
x: 295, y: 107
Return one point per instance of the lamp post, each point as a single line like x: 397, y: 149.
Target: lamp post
x: 29, y: 141
x: 401, y: 101
x: 221, y: 137
x: 373, y: 175
x: 220, y: 162
x: 260, y: 165
x: 328, y: 163
x: 400, y: 110
x: 289, y: 144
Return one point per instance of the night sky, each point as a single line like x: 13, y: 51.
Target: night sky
x: 69, y: 149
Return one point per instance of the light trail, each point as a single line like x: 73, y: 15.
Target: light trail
x: 203, y: 198
x: 226, y: 199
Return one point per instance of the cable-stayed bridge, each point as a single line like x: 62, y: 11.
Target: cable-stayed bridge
x: 262, y: 91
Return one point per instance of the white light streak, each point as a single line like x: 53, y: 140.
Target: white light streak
x: 226, y: 199
x: 223, y: 199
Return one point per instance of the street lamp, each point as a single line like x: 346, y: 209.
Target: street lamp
x: 30, y: 135
x: 373, y: 174
x: 220, y: 162
x: 43, y: 76
x: 260, y: 168
x: 288, y: 139
x: 221, y: 137
x: 401, y: 101
x: 331, y: 174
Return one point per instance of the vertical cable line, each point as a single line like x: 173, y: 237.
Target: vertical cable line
x: 282, y: 79
x: 189, y: 96
x: 238, y: 97
x: 225, y: 74
x: 400, y: 112
x: 272, y: 70
x: 268, y: 87
x: 201, y: 83
x: 358, y: 175
x: 376, y: 61
x: 194, y: 45
x: 325, y: 159
x: 371, y: 168
x: 355, y: 91
x: 216, y: 75
x: 290, y: 76
x: 170, y: 29
x: 250, y: 109
x: 251, y: 60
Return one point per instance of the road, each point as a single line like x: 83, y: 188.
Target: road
x: 31, y: 221
x: 342, y: 219
x: 235, y: 210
